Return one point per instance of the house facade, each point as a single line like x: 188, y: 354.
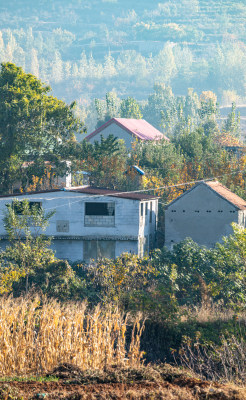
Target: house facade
x: 203, y: 213
x: 91, y: 223
x: 127, y: 129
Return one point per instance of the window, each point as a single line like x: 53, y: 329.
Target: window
x: 151, y: 242
x: 19, y: 206
x: 100, y: 214
x: 142, y: 206
x: 150, y: 212
x: 100, y: 209
x: 146, y: 208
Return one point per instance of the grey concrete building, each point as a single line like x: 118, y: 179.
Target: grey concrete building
x: 91, y: 223
x: 203, y: 213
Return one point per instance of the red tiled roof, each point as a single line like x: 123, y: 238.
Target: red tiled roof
x: 113, y: 193
x: 220, y: 190
x: 227, y: 194
x: 136, y: 127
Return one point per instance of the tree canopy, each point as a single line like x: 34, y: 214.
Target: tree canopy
x: 34, y: 125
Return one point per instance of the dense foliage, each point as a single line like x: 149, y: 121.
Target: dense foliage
x: 34, y: 125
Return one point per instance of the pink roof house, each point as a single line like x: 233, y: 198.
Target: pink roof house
x: 128, y: 129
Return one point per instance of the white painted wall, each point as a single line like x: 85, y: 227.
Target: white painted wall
x: 205, y: 227
x: 116, y: 130
x: 70, y: 208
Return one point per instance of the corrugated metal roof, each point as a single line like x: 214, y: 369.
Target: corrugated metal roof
x: 92, y: 191
x: 113, y: 193
x: 139, y: 128
x: 29, y: 193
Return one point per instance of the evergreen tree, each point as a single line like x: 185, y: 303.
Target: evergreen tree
x: 34, y: 63
x: 109, y: 66
x: 232, y: 123
x: 57, y: 68
x: 83, y: 65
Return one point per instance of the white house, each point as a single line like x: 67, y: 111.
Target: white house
x: 203, y: 213
x: 91, y: 223
x: 128, y: 129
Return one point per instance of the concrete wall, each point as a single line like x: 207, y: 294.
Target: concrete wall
x: 201, y: 215
x: 116, y: 130
x: 69, y: 249
x: 67, y: 226
x: 76, y: 248
x: 147, y: 227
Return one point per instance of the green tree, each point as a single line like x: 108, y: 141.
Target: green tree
x: 28, y: 262
x: 136, y: 284
x: 232, y: 123
x: 130, y: 108
x: 108, y: 108
x: 229, y: 260
x: 33, y: 124
x: 29, y: 250
x: 162, y: 100
x: 105, y: 160
x: 205, y: 275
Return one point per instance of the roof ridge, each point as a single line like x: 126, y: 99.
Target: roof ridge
x: 136, y: 127
x: 232, y: 197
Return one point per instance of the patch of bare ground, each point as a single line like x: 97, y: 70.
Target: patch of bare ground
x: 144, y: 383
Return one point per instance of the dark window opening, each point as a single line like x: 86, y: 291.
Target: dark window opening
x: 100, y: 209
x: 146, y: 208
x: 197, y: 211
x: 142, y: 209
x: 18, y: 207
x: 173, y: 210
x: 150, y: 212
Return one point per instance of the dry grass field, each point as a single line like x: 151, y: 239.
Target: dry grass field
x: 69, y: 352
x: 36, y: 335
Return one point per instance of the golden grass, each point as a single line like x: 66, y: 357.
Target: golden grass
x: 36, y: 336
x: 210, y: 313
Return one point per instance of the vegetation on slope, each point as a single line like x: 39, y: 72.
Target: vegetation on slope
x: 128, y: 46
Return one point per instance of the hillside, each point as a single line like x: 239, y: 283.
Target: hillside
x: 85, y: 48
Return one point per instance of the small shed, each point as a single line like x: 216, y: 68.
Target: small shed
x: 204, y: 213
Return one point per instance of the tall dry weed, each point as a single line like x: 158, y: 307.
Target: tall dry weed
x: 37, y: 335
